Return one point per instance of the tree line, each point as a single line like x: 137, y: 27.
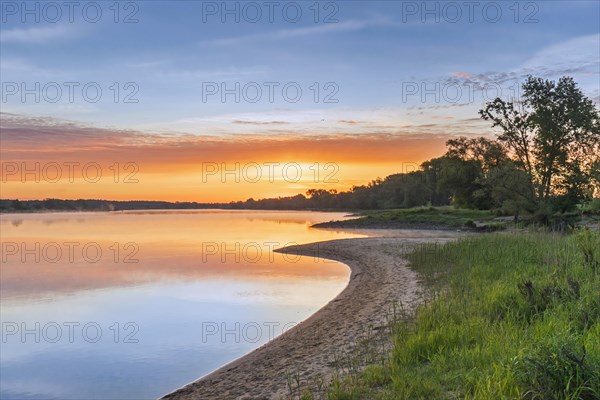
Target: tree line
x: 544, y: 158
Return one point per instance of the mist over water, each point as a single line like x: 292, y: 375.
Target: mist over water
x: 135, y: 304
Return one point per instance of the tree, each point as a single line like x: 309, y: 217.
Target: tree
x: 554, y: 135
x: 595, y: 168
x: 487, y: 152
x: 321, y: 198
x: 462, y: 178
x: 468, y: 162
x: 510, y: 188
x: 432, y: 171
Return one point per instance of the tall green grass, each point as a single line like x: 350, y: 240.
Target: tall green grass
x: 447, y: 216
x: 511, y: 316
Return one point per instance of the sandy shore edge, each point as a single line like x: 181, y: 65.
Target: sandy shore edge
x: 380, y: 282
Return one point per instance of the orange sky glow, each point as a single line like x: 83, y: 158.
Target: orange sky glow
x: 72, y: 163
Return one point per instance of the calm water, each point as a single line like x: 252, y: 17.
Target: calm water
x: 135, y: 304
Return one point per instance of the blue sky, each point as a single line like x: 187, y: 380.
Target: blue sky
x: 369, y: 56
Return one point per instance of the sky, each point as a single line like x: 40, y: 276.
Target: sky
x: 222, y: 101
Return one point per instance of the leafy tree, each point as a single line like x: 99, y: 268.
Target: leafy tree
x: 554, y: 135
x: 432, y: 171
x: 487, y: 152
x: 321, y: 198
x: 477, y: 159
x: 462, y: 178
x: 511, y: 190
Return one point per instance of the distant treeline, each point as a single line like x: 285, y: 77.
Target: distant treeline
x: 95, y: 205
x: 544, y: 160
x: 402, y: 190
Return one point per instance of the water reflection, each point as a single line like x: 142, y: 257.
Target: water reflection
x: 173, y: 276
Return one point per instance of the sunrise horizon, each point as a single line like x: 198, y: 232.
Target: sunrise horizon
x: 303, y: 200
x: 333, y: 95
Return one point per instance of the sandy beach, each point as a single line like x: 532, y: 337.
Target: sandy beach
x: 380, y: 283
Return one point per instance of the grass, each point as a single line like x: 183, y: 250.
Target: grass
x: 436, y: 215
x: 448, y: 217
x: 424, y: 217
x: 511, y: 316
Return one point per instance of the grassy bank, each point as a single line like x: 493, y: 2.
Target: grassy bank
x: 421, y: 218
x: 512, y: 316
x: 451, y: 218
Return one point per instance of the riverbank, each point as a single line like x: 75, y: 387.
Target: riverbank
x: 512, y: 315
x: 381, y: 289
x: 467, y: 220
x: 424, y: 218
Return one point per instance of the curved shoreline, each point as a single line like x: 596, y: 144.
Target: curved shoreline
x: 380, y: 283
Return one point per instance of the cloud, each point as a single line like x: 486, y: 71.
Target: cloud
x: 170, y: 164
x: 11, y: 67
x: 578, y: 56
x: 215, y: 74
x: 306, y: 123
x: 34, y: 35
x: 574, y: 55
x: 345, y: 26
x: 259, y: 123
x: 462, y: 75
x: 27, y: 138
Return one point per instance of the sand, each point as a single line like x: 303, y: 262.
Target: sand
x: 380, y: 286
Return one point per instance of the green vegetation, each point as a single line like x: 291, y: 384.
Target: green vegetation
x: 510, y: 317
x: 423, y: 217
x: 448, y: 216
x: 591, y: 208
x: 553, y: 134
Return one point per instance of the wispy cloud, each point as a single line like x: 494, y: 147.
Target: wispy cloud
x: 259, y: 123
x: 574, y: 54
x: 215, y: 74
x: 42, y: 138
x: 578, y: 55
x: 345, y: 26
x: 34, y: 35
